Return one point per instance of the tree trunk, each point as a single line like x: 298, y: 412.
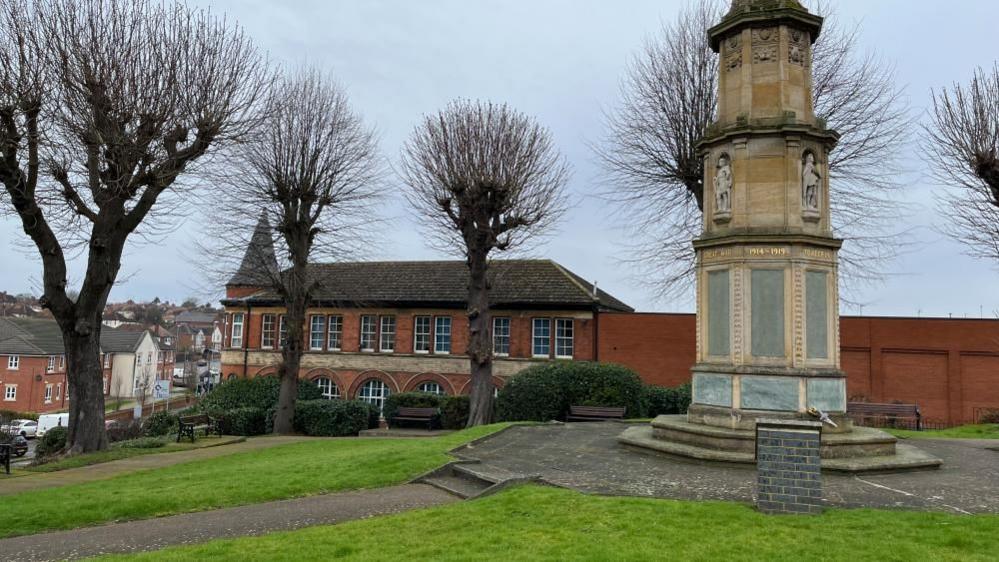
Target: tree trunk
x: 291, y: 351
x: 480, y: 348
x: 85, y: 380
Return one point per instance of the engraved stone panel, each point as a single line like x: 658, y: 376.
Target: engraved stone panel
x: 765, y: 44
x: 767, y: 310
x: 712, y: 389
x: 719, y: 313
x: 817, y: 314
x: 769, y: 393
x: 828, y: 395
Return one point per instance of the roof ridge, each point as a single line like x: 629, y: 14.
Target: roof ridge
x: 575, y: 281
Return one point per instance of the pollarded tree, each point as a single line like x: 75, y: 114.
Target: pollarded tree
x: 313, y: 169
x: 483, y: 178
x: 963, y: 148
x: 669, y: 97
x: 105, y: 108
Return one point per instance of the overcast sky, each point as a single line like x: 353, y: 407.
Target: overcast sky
x: 561, y: 61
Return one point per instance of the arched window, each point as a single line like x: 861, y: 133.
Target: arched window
x: 329, y: 388
x: 374, y: 392
x: 431, y: 387
x: 231, y: 377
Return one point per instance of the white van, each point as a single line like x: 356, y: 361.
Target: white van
x: 48, y: 421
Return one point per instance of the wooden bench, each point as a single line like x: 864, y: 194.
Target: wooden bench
x: 188, y: 425
x: 421, y: 415
x: 860, y: 411
x: 594, y: 413
x: 6, y: 452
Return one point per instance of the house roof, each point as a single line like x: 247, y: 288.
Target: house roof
x: 120, y: 341
x: 30, y: 336
x: 259, y: 265
x: 514, y: 284
x: 195, y: 317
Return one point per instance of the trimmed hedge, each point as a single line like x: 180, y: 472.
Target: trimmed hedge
x: 52, y: 442
x: 159, y: 424
x: 332, y: 418
x: 545, y: 392
x: 453, y: 409
x: 247, y: 421
x: 124, y: 431
x: 660, y: 400
x: 7, y: 415
x: 259, y: 392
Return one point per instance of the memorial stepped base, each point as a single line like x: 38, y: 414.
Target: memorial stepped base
x: 862, y: 450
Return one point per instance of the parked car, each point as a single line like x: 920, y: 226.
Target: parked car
x: 24, y: 428
x: 20, y: 445
x: 48, y: 421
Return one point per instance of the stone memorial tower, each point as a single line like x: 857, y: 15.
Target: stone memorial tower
x: 767, y: 298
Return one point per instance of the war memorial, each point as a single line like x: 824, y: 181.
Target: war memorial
x: 767, y: 289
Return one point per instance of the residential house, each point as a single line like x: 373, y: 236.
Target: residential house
x: 134, y: 362
x: 32, y: 366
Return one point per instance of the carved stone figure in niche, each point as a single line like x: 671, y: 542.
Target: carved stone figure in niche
x: 810, y: 181
x: 796, y: 48
x: 723, y: 185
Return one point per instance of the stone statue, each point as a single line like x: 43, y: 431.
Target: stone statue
x: 723, y: 186
x: 810, y: 179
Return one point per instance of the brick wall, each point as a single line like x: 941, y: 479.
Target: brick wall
x: 31, y: 378
x: 950, y: 367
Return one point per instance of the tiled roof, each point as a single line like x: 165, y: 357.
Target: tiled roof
x: 30, y: 336
x: 259, y: 265
x: 514, y: 283
x: 120, y: 341
x: 195, y: 317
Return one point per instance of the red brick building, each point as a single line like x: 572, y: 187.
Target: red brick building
x: 376, y: 328
x: 950, y: 367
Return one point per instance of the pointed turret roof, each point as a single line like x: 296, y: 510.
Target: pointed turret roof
x: 259, y: 266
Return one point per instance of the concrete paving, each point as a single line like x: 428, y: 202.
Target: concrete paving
x: 588, y: 457
x: 249, y: 520
x: 111, y: 469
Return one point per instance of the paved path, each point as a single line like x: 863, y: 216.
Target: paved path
x: 587, y: 457
x: 154, y: 534
x: 106, y: 470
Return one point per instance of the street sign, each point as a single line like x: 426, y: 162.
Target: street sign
x: 161, y: 390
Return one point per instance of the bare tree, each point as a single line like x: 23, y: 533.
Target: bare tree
x: 963, y: 148
x: 483, y: 177
x: 314, y: 168
x: 669, y: 97
x: 105, y: 108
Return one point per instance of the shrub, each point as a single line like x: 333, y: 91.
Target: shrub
x: 159, y: 424
x: 545, y: 392
x: 124, y: 430
x: 660, y: 400
x: 410, y: 400
x: 244, y: 421
x: 7, y: 415
x: 332, y: 418
x: 374, y: 416
x: 52, y: 442
x: 141, y: 443
x: 990, y: 415
x: 454, y: 411
x: 259, y: 392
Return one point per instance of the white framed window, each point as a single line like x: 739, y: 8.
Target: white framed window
x: 431, y: 387
x: 442, y: 334
x: 107, y: 362
x: 541, y: 337
x: 48, y: 394
x: 10, y: 392
x: 501, y: 336
x: 369, y: 330
x: 267, y: 331
x: 62, y: 362
x: 138, y: 359
x: 386, y: 334
x: 107, y: 385
x: 374, y: 392
x: 335, y: 333
x: 149, y: 357
x: 13, y: 362
x: 316, y: 334
x: 50, y: 368
x: 563, y: 338
x: 329, y: 388
x: 421, y: 334
x: 237, y: 330
x: 58, y: 393
x: 282, y: 332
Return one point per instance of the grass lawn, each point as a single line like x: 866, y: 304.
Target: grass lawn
x: 982, y: 431
x: 122, y: 453
x: 286, y: 471
x: 537, y: 523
